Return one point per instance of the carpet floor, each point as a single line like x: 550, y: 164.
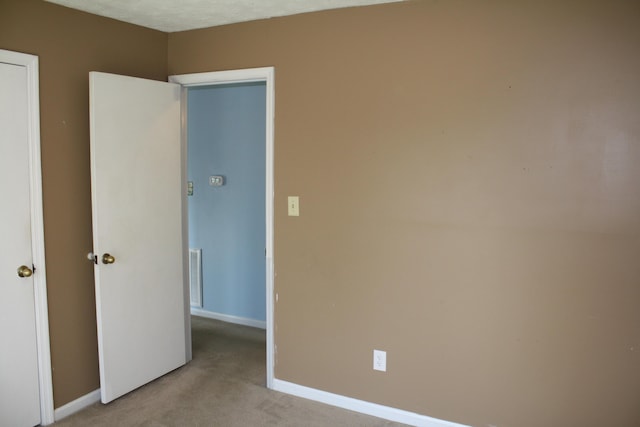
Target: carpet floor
x: 224, y: 385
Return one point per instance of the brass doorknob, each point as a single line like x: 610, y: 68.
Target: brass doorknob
x: 108, y: 259
x: 24, y: 271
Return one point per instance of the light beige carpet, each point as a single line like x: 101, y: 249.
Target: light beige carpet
x: 223, y: 386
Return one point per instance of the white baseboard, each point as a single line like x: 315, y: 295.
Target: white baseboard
x: 380, y: 411
x: 384, y: 412
x: 228, y: 318
x: 76, y: 405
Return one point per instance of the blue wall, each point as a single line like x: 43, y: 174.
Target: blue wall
x: 226, y: 136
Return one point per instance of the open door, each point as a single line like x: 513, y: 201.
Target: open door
x: 136, y: 184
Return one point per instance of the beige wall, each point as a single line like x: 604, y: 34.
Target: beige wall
x: 469, y: 180
x: 69, y: 45
x: 468, y: 174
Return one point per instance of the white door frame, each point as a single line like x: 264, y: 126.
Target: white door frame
x: 30, y: 62
x: 264, y: 74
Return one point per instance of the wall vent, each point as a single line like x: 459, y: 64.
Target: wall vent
x: 195, y: 277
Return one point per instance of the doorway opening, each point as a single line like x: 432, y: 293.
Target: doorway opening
x: 232, y: 183
x: 225, y: 195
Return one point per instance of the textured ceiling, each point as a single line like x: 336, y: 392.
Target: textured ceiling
x: 179, y: 15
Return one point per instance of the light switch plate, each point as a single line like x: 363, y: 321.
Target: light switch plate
x: 293, y: 203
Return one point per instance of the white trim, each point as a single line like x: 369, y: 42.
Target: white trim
x: 224, y: 77
x: 229, y: 318
x: 267, y: 75
x: 30, y: 62
x: 77, y: 405
x: 380, y: 411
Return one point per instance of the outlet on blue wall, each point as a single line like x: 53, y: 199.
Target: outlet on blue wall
x: 226, y: 136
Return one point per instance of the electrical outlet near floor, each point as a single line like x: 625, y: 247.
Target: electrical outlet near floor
x: 380, y: 360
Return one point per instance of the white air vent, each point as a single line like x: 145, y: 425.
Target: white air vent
x: 195, y: 277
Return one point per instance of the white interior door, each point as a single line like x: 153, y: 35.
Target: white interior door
x: 19, y: 388
x: 136, y: 183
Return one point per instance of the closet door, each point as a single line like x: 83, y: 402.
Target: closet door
x: 19, y: 387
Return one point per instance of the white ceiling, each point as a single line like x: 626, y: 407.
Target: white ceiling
x: 179, y: 15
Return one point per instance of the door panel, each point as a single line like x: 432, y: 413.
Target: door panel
x: 19, y: 388
x: 137, y: 218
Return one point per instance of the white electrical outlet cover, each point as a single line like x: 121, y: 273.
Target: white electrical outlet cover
x: 216, y: 180
x: 380, y: 360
